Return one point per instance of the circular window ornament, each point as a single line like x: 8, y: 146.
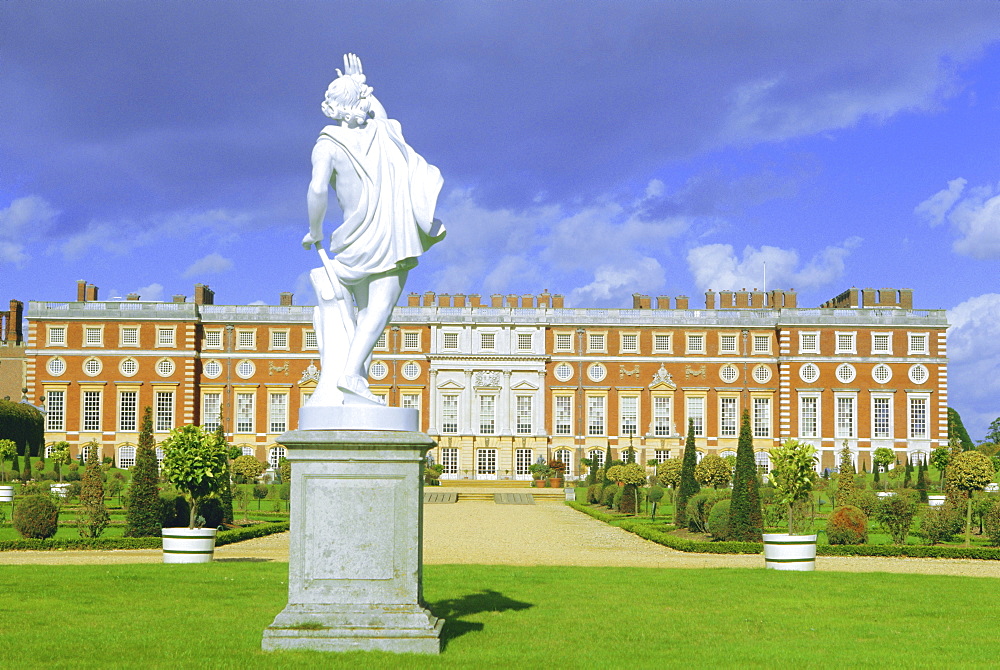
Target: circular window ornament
x: 729, y: 373
x: 128, y: 367
x: 411, y: 370
x: 762, y: 374
x: 881, y: 373
x: 809, y: 373
x: 564, y: 372
x: 919, y: 374
x: 846, y: 373
x: 92, y: 367
x: 378, y: 370
x: 165, y: 367
x: 56, y: 366
x: 245, y: 369
x: 212, y: 369
x: 597, y: 372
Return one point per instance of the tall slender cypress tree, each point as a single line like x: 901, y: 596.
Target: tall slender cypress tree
x: 142, y: 518
x: 922, y: 481
x: 93, y: 517
x: 226, y: 494
x: 689, y: 485
x: 746, y: 522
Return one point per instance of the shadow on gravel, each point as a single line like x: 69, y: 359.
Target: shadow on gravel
x: 453, y: 610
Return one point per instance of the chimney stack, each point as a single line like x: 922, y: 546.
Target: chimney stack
x: 81, y: 290
x: 91, y: 293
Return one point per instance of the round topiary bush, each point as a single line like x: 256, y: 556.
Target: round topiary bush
x: 847, y: 525
x: 718, y: 520
x: 36, y: 517
x: 608, y: 495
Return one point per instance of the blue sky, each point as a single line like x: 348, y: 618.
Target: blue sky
x: 594, y: 149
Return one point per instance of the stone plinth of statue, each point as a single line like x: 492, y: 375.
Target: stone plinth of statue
x: 355, y: 555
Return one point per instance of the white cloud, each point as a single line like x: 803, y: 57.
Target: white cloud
x: 974, y: 361
x: 26, y: 219
x: 934, y: 208
x: 611, y: 283
x: 716, y: 266
x: 213, y: 263
x: 974, y: 215
x: 151, y: 292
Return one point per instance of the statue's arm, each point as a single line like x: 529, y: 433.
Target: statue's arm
x: 318, y: 195
x: 377, y: 110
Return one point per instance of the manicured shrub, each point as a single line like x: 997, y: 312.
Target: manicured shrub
x: 991, y: 521
x: 93, y: 517
x: 668, y: 473
x: 718, y: 520
x: 713, y: 471
x: 616, y: 499
x: 746, y: 521
x: 655, y: 495
x: 210, y: 509
x: 36, y: 516
x: 628, y: 502
x: 863, y: 499
x: 174, y: 510
x: 895, y: 514
x: 941, y: 524
x: 608, y: 495
x: 594, y: 493
x: 847, y: 525
x: 260, y: 492
x: 143, y: 514
x: 248, y: 467
x: 699, y: 508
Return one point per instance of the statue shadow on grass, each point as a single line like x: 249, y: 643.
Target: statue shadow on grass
x: 453, y: 610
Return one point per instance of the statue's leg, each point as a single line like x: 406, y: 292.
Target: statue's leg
x: 333, y: 337
x: 375, y: 298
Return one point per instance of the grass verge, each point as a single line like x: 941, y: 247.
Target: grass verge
x: 212, y: 616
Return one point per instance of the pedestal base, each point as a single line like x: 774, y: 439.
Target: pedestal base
x: 354, y: 562
x: 401, y: 629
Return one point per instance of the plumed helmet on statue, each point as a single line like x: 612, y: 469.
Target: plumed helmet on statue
x: 347, y: 99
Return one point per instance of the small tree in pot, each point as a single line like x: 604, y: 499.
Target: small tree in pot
x: 195, y: 463
x: 793, y: 473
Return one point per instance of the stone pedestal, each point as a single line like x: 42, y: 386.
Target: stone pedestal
x: 355, y: 556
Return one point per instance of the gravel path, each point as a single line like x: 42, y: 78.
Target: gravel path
x: 543, y: 534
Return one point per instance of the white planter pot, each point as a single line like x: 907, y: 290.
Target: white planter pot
x: 936, y: 501
x: 6, y: 494
x: 789, y: 552
x: 60, y: 489
x: 885, y: 494
x: 188, y: 545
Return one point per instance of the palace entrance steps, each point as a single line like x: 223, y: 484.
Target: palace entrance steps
x: 503, y: 492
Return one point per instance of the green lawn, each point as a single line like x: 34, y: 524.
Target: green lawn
x: 212, y: 616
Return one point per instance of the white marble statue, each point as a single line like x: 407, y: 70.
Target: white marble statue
x: 388, y: 194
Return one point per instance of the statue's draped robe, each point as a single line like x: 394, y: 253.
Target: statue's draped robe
x: 393, y: 223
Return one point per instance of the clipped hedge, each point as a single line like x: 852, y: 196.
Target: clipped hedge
x: 647, y: 532
x: 110, y: 543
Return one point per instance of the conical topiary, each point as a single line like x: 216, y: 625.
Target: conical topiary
x: 689, y: 485
x: 746, y: 522
x: 143, y: 516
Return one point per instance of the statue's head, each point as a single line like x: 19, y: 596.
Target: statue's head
x: 347, y: 99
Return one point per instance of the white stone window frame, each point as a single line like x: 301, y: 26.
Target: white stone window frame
x: 275, y: 337
x: 621, y: 342
x: 593, y: 429
x: 888, y: 338
x: 161, y: 367
x: 563, y: 365
x: 923, y: 350
x: 732, y: 431
x: 56, y: 336
x: 669, y: 349
x: 882, y: 368
x: 842, y: 371
x: 818, y: 431
x: 92, y: 366
x: 760, y: 337
x: 56, y: 366
x: 277, y: 414
x: 309, y: 340
x: 410, y: 370
x: 124, y: 368
x: 410, y: 340
x: 164, y: 413
x: 246, y: 339
x: 166, y: 337
x: 212, y: 364
x: 690, y: 338
x: 446, y: 336
x: 806, y: 367
x: 892, y: 417
x: 699, y: 426
x: 568, y: 334
x: 803, y: 349
x: 926, y: 399
x: 378, y: 370
x: 852, y: 337
x: 126, y: 456
x: 240, y: 424
x: 724, y: 339
x: 521, y: 338
x: 622, y: 397
x: 488, y: 340
x: 55, y: 406
x: 837, y: 428
x: 220, y: 332
x: 132, y: 328
x: 658, y: 427
x: 128, y: 410
x: 921, y: 369
x: 250, y: 371
x: 731, y: 371
x: 90, y: 330
x: 557, y: 423
x: 597, y: 372
x: 382, y: 341
x: 599, y: 345
x: 762, y: 374
x: 411, y: 400
x: 762, y: 429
